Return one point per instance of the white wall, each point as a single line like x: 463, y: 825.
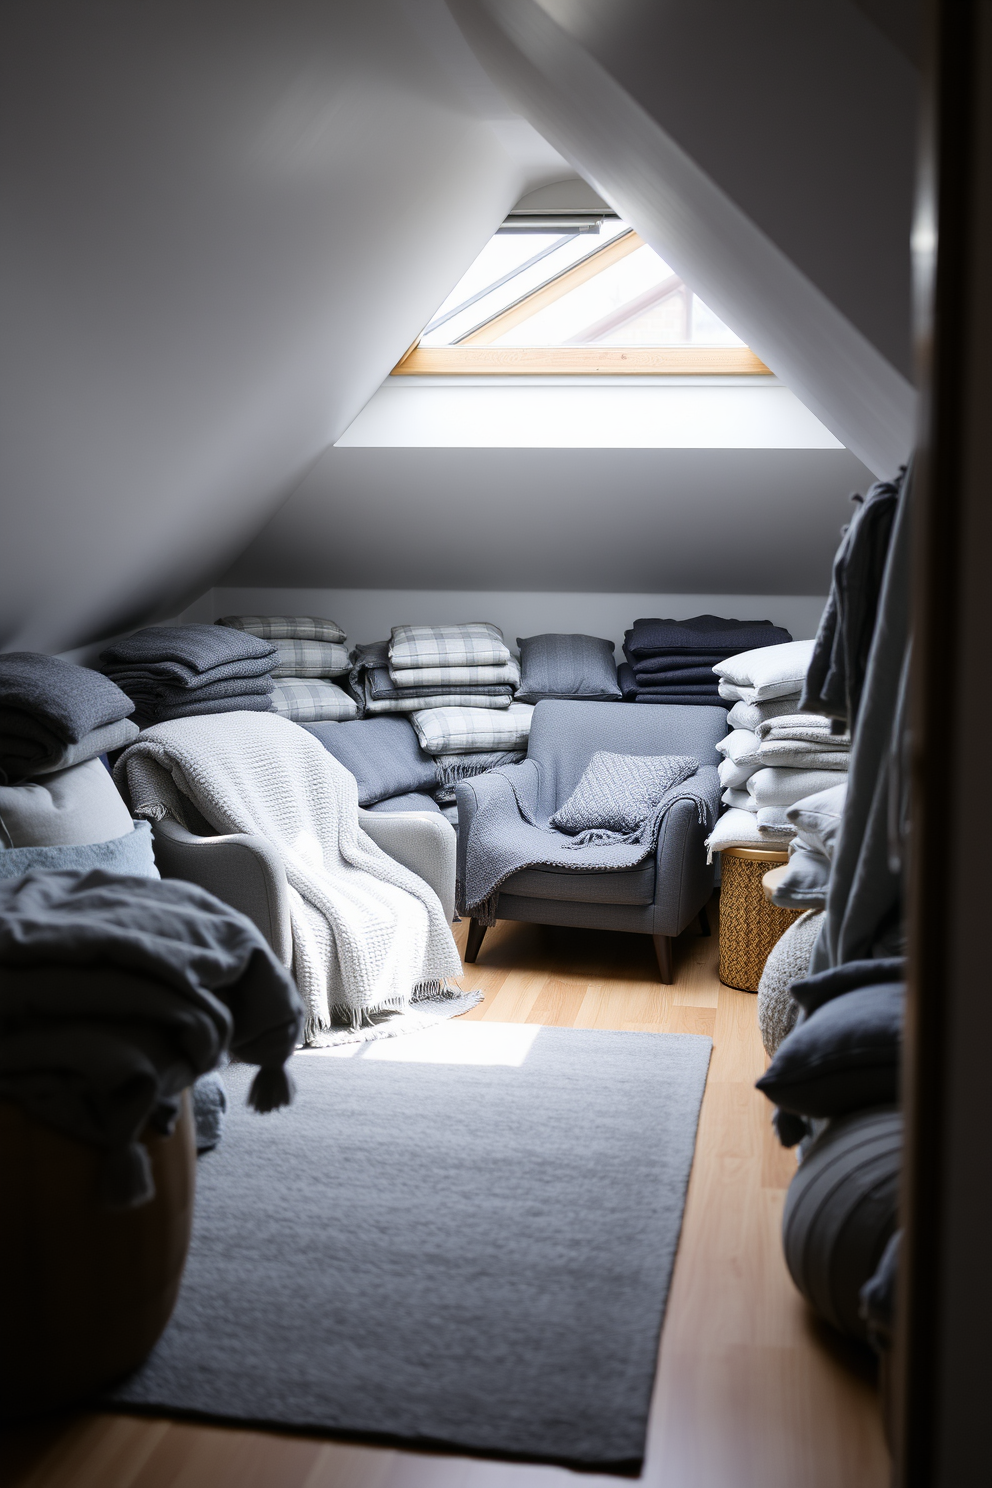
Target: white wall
x: 369, y: 614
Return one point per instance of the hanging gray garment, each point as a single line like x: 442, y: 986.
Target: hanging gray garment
x: 864, y: 896
x: 838, y: 667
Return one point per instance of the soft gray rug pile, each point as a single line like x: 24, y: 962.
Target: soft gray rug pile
x: 460, y: 1239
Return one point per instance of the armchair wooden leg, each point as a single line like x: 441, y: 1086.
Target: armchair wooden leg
x: 663, y: 950
x: 476, y: 932
x: 704, y: 922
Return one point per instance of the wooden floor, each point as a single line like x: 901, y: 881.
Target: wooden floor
x: 749, y: 1393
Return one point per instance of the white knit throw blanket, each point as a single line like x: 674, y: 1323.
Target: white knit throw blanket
x: 368, y: 935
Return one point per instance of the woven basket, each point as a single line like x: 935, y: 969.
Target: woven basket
x: 749, y: 925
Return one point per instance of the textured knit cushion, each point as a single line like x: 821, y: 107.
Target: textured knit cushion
x: 567, y: 666
x: 286, y: 627
x: 299, y: 658
x: 619, y: 791
x: 817, y: 819
x: 843, y: 1058
x: 81, y: 804
x: 475, y: 644
x: 308, y: 700
x: 130, y: 854
x: 473, y: 730
x: 780, y: 786
x: 788, y: 960
x: 841, y: 1212
x: 382, y: 754
x: 767, y: 672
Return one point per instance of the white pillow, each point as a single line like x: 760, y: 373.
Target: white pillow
x: 741, y: 746
x: 68, y: 808
x: 733, y: 775
x: 774, y: 786
x: 753, y: 715
x: 738, y: 799
x: 735, y: 829
x: 766, y: 672
x: 816, y: 820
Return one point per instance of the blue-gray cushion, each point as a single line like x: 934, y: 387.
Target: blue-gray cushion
x: 382, y: 753
x: 77, y: 805
x: 130, y: 854
x: 843, y: 1058
x: 567, y: 666
x: 409, y: 801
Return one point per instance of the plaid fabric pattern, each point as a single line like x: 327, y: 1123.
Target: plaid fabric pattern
x: 286, y: 627
x: 459, y: 676
x: 473, y: 730
x: 477, y: 644
x: 434, y: 701
x: 312, y: 702
x: 296, y: 658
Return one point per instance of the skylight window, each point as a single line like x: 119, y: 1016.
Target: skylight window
x: 593, y: 299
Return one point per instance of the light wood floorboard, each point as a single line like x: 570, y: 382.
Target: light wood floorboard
x: 751, y: 1392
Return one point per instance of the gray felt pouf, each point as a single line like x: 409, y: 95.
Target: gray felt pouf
x: 471, y: 1252
x: 788, y: 962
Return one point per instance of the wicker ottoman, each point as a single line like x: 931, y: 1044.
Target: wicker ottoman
x: 749, y: 924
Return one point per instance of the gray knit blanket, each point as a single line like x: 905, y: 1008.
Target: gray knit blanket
x: 507, y: 833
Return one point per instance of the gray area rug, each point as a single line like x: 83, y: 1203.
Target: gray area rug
x: 431, y: 1250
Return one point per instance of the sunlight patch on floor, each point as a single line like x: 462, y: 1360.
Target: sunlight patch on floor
x: 447, y: 1043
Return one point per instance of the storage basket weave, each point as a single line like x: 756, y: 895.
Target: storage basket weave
x: 749, y: 925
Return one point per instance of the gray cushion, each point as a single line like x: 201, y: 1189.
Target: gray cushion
x: 567, y: 666
x: 631, y: 886
x: 817, y: 818
x: 80, y: 804
x: 130, y: 854
x: 843, y: 1058
x: 804, y: 884
x: 409, y: 801
x: 619, y: 791
x: 382, y: 753
x: 840, y: 1213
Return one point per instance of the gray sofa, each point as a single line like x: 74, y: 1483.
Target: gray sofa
x: 661, y: 896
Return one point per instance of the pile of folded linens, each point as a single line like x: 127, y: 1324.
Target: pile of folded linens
x: 435, y: 666
x: 180, y: 671
x: 673, y: 661
x: 774, y: 755
x: 309, y: 652
x: 54, y: 714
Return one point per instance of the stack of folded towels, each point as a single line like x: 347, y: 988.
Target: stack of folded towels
x: 54, y: 715
x: 308, y: 652
x: 673, y: 661
x: 436, y: 666
x: 179, y: 671
x: 774, y: 755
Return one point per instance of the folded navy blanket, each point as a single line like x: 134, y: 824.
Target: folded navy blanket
x: 702, y: 632
x: 673, y: 661
x: 67, y: 700
x: 683, y: 699
x: 193, y: 649
x: 117, y: 992
x: 679, y: 676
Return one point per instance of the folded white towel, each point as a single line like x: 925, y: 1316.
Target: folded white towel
x: 740, y: 829
x: 805, y: 728
x: 780, y: 787
x: 766, y: 672
x: 797, y: 756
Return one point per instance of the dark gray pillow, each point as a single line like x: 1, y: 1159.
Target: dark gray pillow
x: 382, y: 753
x: 567, y: 666
x: 844, y: 1058
x: 823, y: 986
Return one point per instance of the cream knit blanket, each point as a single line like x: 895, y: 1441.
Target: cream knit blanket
x: 368, y: 935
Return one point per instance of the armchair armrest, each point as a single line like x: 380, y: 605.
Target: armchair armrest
x: 683, y: 879
x: 242, y: 870
x: 423, y: 842
x: 485, y: 790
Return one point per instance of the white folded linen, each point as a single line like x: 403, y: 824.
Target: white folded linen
x: 798, y: 756
x: 766, y: 672
x: 733, y: 775
x: 752, y: 715
x: 804, y: 728
x: 741, y: 746
x: 738, y: 799
x: 740, y: 829
x: 771, y: 786
x: 773, y: 822
x: 816, y: 820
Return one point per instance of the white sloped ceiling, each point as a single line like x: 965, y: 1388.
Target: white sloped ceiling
x: 224, y: 221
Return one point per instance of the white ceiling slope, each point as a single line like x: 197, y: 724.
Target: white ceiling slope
x: 765, y: 150
x: 223, y: 224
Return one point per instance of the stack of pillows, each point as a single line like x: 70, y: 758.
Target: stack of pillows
x: 180, y: 671
x: 673, y: 661
x: 435, y: 666
x: 307, y: 652
x: 774, y: 756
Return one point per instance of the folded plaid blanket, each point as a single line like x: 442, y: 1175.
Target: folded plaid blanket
x: 312, y: 701
x: 379, y: 687
x: 286, y: 627
x: 449, y: 678
x: 304, y: 658
x: 453, y: 730
x: 475, y: 644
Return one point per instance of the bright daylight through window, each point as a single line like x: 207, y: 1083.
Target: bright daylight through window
x: 558, y: 296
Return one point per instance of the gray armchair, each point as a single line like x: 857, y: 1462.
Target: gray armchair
x: 247, y: 873
x: 661, y: 896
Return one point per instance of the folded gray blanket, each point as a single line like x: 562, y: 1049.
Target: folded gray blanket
x: 70, y: 701
x: 380, y: 687
x: 505, y: 836
x: 115, y: 992
x: 193, y: 649
x: 243, y: 702
x: 30, y: 754
x: 156, y: 691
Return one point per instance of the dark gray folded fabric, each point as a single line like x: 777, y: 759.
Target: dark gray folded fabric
x: 244, y: 703
x: 683, y: 699
x: 68, y: 701
x: 843, y: 1058
x: 192, y: 648
x: 172, y: 674
x: 206, y: 692
x: 117, y: 991
x: 36, y: 751
x: 674, y: 661
x: 701, y: 633
x: 381, y: 688
x: 684, y: 677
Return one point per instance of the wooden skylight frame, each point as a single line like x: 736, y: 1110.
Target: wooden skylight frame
x: 475, y: 355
